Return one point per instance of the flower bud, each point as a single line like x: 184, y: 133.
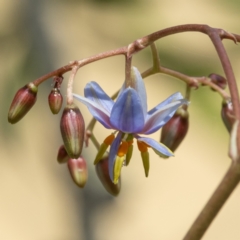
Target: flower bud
x: 78, y: 171
x: 103, y: 175
x: 219, y: 80
x: 72, y: 129
x: 62, y: 156
x: 227, y: 114
x: 174, y: 131
x: 23, y: 100
x: 55, y: 100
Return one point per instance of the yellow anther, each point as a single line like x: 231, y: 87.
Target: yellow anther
x: 142, y: 146
x: 109, y: 139
x: 122, y: 150
x: 117, y: 168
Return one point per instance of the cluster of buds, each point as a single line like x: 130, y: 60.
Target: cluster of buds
x: 71, y: 126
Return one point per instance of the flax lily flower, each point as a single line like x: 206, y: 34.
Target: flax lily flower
x: 129, y: 118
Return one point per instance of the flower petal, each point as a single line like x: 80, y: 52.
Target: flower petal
x: 95, y: 93
x: 158, y: 148
x: 139, y: 86
x: 136, y: 82
x: 112, y: 154
x: 98, y: 112
x: 127, y: 113
x: 161, y: 114
x: 172, y: 98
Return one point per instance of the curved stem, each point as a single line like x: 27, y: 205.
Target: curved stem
x: 81, y: 63
x: 192, y: 82
x: 227, y: 67
x: 70, y: 85
x: 219, y: 197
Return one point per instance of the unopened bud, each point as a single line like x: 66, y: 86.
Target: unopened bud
x: 219, y: 80
x: 72, y: 129
x: 227, y: 114
x: 103, y: 175
x: 23, y: 100
x: 174, y: 131
x: 78, y: 171
x: 62, y: 156
x: 55, y: 100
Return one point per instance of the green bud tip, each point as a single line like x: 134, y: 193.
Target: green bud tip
x: 23, y: 101
x: 78, y: 171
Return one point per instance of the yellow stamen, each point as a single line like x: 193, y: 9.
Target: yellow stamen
x: 117, y: 168
x: 142, y: 146
x: 122, y: 150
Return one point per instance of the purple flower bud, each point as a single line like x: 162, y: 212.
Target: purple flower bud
x: 174, y: 131
x: 62, y: 156
x: 78, y: 171
x: 103, y: 175
x: 227, y: 114
x: 55, y: 100
x: 23, y: 100
x: 219, y: 80
x: 72, y: 129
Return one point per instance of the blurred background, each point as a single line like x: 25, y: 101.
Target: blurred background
x: 38, y: 198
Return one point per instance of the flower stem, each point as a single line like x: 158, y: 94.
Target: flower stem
x: 70, y: 85
x: 219, y: 197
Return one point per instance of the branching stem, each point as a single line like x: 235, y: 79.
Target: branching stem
x: 232, y: 176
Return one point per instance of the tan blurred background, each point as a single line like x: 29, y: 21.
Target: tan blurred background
x: 38, y: 199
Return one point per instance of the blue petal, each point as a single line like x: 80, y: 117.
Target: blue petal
x: 158, y: 148
x: 95, y: 93
x: 127, y: 113
x: 136, y: 82
x: 96, y: 110
x: 161, y: 116
x: 139, y: 86
x: 112, y: 154
x: 172, y: 98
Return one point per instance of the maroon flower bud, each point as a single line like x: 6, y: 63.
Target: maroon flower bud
x: 103, y: 175
x: 227, y: 114
x: 55, y: 100
x: 72, y: 129
x: 174, y: 131
x: 62, y: 156
x: 219, y: 80
x: 23, y: 100
x: 78, y: 171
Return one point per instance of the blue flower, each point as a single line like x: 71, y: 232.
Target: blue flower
x: 129, y: 118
